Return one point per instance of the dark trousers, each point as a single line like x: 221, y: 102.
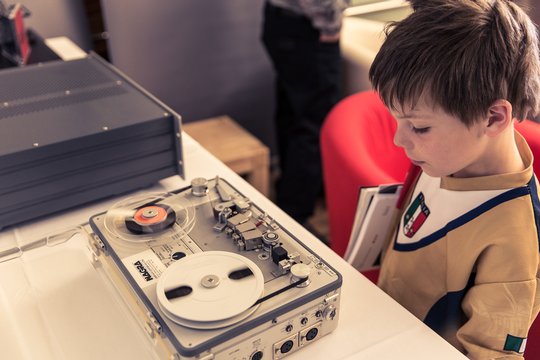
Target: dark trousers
x: 307, y: 86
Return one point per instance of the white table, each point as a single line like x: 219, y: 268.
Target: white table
x: 35, y: 322
x: 371, y: 324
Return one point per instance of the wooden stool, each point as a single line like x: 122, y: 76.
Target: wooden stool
x: 235, y: 147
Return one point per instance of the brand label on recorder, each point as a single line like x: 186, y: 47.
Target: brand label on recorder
x: 145, y: 267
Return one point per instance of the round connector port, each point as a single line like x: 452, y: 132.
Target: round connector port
x: 256, y: 355
x: 330, y: 312
x: 289, y: 328
x: 312, y: 334
x: 286, y: 347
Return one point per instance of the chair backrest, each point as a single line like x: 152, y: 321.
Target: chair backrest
x: 357, y: 150
x: 531, y: 132
x: 532, y: 350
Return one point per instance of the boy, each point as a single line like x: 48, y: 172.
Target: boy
x: 464, y: 258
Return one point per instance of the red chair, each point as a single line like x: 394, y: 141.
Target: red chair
x: 532, y: 350
x: 357, y: 150
x: 531, y: 132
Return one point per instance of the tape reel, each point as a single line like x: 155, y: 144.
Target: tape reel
x: 149, y: 217
x: 210, y: 290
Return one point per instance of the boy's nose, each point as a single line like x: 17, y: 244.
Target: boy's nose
x: 400, y: 138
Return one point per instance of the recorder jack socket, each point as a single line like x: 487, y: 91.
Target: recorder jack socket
x: 312, y: 334
x: 329, y: 313
x: 286, y: 347
x: 308, y: 335
x: 257, y: 355
x: 289, y: 328
x: 304, y: 321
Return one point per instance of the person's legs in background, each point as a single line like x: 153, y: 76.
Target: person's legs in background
x: 307, y: 86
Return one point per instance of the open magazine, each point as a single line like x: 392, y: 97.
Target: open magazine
x: 374, y: 213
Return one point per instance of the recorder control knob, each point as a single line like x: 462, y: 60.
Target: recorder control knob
x: 270, y: 239
x: 199, y: 186
x: 300, y: 272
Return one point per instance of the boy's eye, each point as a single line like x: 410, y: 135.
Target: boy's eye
x: 422, y: 130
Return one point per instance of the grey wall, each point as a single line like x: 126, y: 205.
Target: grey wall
x: 534, y: 12
x: 201, y: 57
x: 532, y: 8
x: 51, y: 18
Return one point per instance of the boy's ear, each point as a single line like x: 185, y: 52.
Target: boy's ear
x: 499, y: 117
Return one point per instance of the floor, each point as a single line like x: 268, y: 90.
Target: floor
x: 319, y: 222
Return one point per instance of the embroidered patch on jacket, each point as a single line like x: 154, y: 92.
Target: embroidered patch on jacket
x: 515, y: 343
x: 415, y: 216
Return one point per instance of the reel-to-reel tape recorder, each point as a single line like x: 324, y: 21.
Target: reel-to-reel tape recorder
x: 212, y: 276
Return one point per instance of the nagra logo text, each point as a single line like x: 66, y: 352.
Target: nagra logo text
x: 144, y: 272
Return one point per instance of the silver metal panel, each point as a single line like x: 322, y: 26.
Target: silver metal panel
x: 77, y: 131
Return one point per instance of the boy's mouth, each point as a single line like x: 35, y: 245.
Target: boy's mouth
x: 417, y: 162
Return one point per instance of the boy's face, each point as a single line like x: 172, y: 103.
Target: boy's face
x: 440, y: 143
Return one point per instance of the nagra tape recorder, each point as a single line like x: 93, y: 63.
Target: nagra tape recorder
x: 212, y: 276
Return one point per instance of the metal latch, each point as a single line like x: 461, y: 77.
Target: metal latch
x: 330, y: 299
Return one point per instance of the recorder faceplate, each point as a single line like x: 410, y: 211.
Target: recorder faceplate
x: 215, y: 275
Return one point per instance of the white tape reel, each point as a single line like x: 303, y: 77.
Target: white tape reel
x: 210, y: 290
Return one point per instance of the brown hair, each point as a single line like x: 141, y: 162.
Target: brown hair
x: 464, y: 54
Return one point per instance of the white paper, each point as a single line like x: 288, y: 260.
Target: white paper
x: 375, y: 211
